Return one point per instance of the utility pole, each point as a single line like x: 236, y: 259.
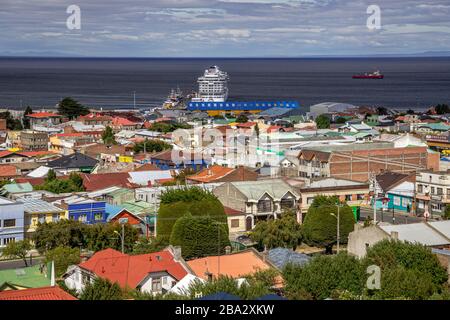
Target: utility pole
x: 374, y: 180
x: 338, y: 229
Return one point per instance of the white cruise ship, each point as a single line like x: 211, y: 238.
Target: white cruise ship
x: 213, y: 86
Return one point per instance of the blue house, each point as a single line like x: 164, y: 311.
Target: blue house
x: 85, y: 210
x: 401, y: 197
x: 11, y: 221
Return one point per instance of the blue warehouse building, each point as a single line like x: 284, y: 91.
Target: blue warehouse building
x: 237, y: 107
x: 84, y: 210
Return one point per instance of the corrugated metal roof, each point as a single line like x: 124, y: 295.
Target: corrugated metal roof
x: 441, y: 226
x: 38, y: 206
x: 417, y: 233
x: 254, y: 190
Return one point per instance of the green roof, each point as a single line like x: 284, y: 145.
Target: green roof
x: 119, y: 192
x: 18, y: 187
x: 138, y: 207
x: 29, y: 277
x: 223, y: 121
x: 437, y: 126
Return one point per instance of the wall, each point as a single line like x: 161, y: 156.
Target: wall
x: 11, y: 211
x: 361, y: 237
x: 358, y: 165
x: 242, y: 224
x: 231, y: 197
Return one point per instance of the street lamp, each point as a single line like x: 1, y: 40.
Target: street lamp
x: 338, y: 218
x: 122, y: 221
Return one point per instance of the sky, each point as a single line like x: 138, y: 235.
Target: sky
x: 222, y: 28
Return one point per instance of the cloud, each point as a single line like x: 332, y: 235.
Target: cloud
x: 224, y: 27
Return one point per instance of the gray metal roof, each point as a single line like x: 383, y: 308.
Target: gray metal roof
x: 441, y: 226
x: 417, y: 233
x: 254, y: 190
x: 280, y: 257
x: 38, y: 206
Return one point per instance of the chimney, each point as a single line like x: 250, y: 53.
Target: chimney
x: 177, y: 253
x: 394, y: 235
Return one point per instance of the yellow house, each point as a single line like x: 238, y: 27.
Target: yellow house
x: 39, y: 211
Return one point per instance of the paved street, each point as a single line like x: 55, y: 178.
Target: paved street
x: 15, y: 264
x: 386, y: 216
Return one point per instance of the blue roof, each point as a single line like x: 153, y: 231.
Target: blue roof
x: 112, y: 211
x: 280, y: 257
x: 239, y: 105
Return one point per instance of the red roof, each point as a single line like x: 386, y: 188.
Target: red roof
x: 118, y: 121
x: 130, y: 271
x: 232, y: 212
x: 246, y: 125
x: 43, y: 115
x: 45, y: 293
x: 211, y: 174
x: 100, y: 181
x: 64, y: 135
x: 274, y: 129
x: 7, y: 171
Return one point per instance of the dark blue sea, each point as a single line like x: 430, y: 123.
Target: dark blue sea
x: 109, y: 83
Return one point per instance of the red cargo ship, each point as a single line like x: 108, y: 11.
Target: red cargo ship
x: 373, y: 75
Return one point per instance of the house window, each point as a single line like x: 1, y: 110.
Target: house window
x: 82, y: 218
x: 360, y: 196
x: 265, y: 206
x: 420, y: 188
x: 235, y: 223
x: 440, y: 191
x: 41, y: 218
x: 348, y: 197
x: 396, y: 201
x: 86, y: 278
x: 8, y: 240
x: 56, y: 217
x: 432, y: 190
x: 156, y: 285
x: 98, y: 217
x: 448, y: 193
x: 164, y: 280
x: 9, y: 223
x: 287, y: 203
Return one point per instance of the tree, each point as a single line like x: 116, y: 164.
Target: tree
x: 320, y: 225
x: 388, y: 254
x: 26, y: 120
x: 52, y: 184
x: 101, y: 236
x: 242, y: 118
x: 410, y: 111
x: 257, y: 130
x: 442, y: 109
x: 11, y: 123
x: 77, y: 181
x: 382, y: 111
x: 175, y: 203
x: 151, y: 146
x: 18, y: 249
x: 285, y: 232
x: 323, y: 122
x: 108, y: 136
x: 447, y: 212
x: 340, y: 120
x: 51, y: 175
x: 168, y: 127
x: 63, y: 257
x: 323, y: 277
x: 71, y: 108
x: 102, y: 289
x: 144, y: 245
x: 64, y: 233
x: 199, y: 236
